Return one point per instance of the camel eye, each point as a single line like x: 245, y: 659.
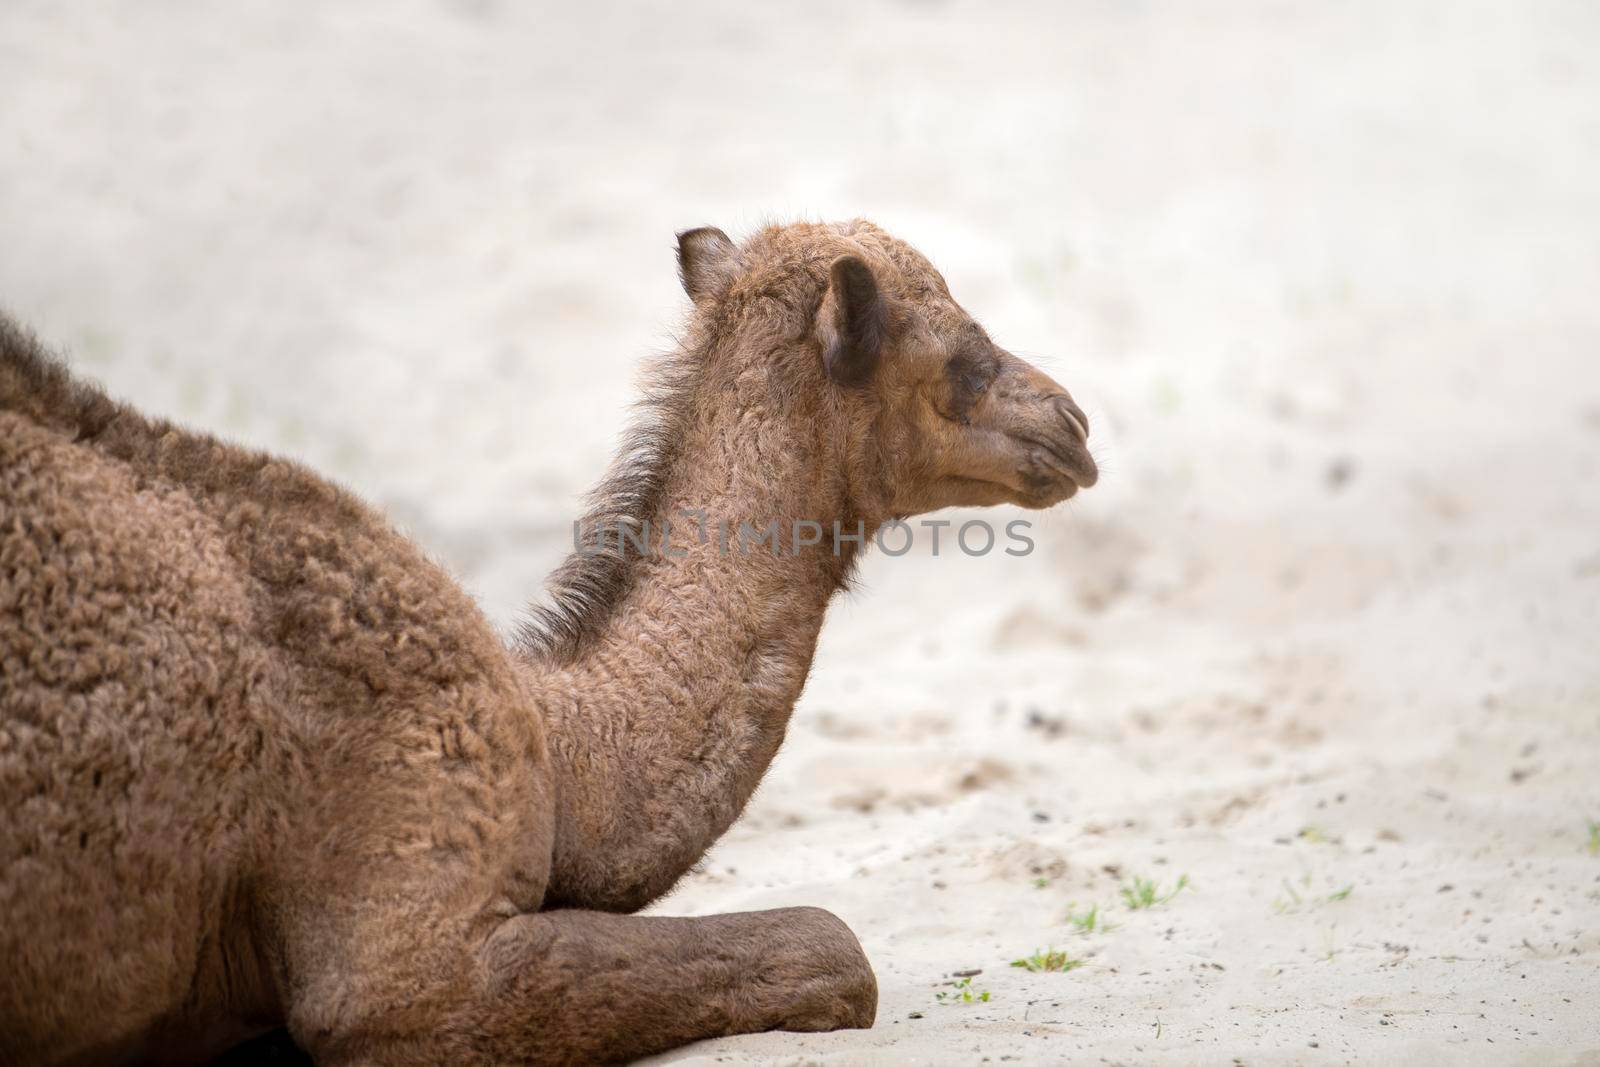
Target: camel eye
x: 969, y: 376
x: 972, y: 375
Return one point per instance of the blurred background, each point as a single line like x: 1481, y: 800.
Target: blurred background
x: 1326, y: 637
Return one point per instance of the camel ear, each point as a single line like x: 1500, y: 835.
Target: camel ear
x: 707, y: 261
x: 852, y: 322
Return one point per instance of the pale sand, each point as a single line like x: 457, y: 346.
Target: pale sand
x: 1325, y: 279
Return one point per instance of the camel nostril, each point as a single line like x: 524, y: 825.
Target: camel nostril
x: 1075, y: 417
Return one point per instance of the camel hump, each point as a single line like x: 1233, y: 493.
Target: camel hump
x: 126, y: 762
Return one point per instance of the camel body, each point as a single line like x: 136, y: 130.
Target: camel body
x: 264, y: 764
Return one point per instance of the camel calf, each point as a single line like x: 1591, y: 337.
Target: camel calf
x: 263, y: 764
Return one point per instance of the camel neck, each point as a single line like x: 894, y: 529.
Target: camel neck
x: 662, y: 726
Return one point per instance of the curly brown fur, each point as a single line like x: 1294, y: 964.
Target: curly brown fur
x: 264, y: 763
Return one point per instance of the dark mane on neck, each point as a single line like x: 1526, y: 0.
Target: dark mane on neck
x: 588, y: 586
x: 769, y: 307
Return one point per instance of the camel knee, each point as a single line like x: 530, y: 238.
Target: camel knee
x: 586, y: 987
x: 813, y: 974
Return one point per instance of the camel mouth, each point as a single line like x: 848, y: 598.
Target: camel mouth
x: 1067, y: 461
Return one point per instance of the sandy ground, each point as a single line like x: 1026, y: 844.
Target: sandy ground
x: 1324, y: 640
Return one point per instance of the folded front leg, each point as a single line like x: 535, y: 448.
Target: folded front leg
x: 563, y: 987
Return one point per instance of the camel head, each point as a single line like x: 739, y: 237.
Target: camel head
x: 921, y: 408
